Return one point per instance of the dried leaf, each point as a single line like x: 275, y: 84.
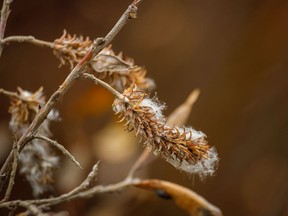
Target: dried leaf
x: 118, y: 71
x: 185, y: 198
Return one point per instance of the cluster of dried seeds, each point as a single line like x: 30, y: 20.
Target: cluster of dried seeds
x: 183, y: 147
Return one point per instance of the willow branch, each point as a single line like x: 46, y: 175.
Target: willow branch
x: 27, y: 39
x: 99, y: 189
x: 61, y: 148
x: 79, y: 192
x: 5, y: 11
x: 105, y: 85
x: 13, y: 173
x: 74, y: 75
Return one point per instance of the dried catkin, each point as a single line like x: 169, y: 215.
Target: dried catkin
x: 37, y: 160
x: 183, y: 147
x: 113, y: 68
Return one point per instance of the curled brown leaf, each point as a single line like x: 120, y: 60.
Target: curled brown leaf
x: 185, y: 198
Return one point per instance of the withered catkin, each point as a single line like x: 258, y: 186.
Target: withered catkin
x: 183, y: 147
x: 113, y: 68
x: 37, y: 160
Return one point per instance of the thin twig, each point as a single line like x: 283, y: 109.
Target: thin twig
x: 105, y: 85
x: 141, y: 161
x: 79, y: 192
x: 29, y: 39
x: 31, y: 209
x: 9, y: 94
x: 13, y: 173
x: 60, y: 147
x: 85, y: 184
x: 99, y: 44
x: 5, y: 11
x: 99, y: 189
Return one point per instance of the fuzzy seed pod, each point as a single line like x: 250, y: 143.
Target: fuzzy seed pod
x: 37, y: 160
x: 183, y: 147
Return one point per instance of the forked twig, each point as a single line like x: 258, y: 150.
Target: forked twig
x: 60, y: 147
x: 82, y: 191
x: 29, y: 39
x: 74, y: 75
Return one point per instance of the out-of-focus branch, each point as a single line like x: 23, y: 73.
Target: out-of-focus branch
x: 181, y: 114
x: 5, y: 11
x: 85, y: 190
x: 13, y: 172
x: 28, y: 39
x: 74, y: 75
x: 61, y: 148
x: 8, y: 93
x: 142, y: 160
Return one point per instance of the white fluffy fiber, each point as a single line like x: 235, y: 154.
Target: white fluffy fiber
x: 203, y: 167
x: 156, y: 107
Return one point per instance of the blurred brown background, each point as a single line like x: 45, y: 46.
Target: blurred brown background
x: 236, y: 52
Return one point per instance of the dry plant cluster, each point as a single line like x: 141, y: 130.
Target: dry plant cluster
x: 32, y: 151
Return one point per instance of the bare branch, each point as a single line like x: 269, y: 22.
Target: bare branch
x: 79, y: 192
x: 85, y: 184
x: 29, y: 39
x: 9, y: 94
x: 99, y: 189
x: 74, y: 75
x: 105, y: 85
x: 13, y: 172
x: 143, y: 159
x: 181, y: 114
x: 5, y: 11
x: 61, y: 148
